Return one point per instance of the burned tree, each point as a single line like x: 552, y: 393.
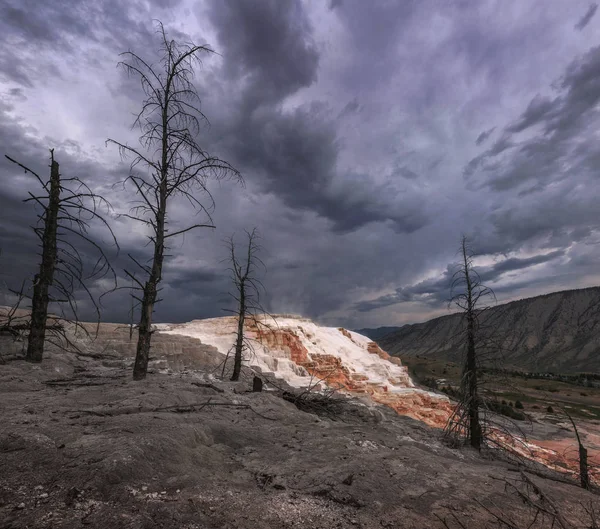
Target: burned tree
x: 247, y: 292
x: 176, y: 165
x: 68, y: 206
x: 584, y: 474
x: 467, y: 291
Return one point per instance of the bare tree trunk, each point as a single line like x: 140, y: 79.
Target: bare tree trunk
x: 43, y: 280
x: 149, y: 299
x: 151, y: 287
x: 239, y: 343
x: 247, y: 294
x: 471, y: 386
x: 68, y: 205
x: 470, y: 371
x: 584, y: 476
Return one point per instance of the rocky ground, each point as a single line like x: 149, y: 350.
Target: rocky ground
x: 82, y: 445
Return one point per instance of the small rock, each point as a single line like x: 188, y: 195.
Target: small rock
x: 164, y: 492
x: 145, y: 488
x: 44, y: 495
x: 21, y: 506
x: 177, y: 491
x: 38, y: 487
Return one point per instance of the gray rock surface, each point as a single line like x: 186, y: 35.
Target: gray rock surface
x: 83, y: 445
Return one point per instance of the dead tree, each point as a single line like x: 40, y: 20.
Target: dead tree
x: 176, y: 165
x: 584, y: 476
x: 467, y: 291
x: 247, y: 292
x: 68, y: 206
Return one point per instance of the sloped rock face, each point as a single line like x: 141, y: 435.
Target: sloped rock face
x: 305, y: 354
x: 555, y: 332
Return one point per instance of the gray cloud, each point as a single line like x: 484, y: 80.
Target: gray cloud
x: 294, y: 154
x: 271, y: 42
x: 587, y: 17
x: 563, y: 144
x: 438, y: 290
x: 484, y: 136
x: 36, y: 35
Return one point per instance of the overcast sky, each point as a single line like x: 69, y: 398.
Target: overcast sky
x: 370, y: 134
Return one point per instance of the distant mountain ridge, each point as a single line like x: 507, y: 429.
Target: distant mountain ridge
x: 557, y: 332
x: 376, y: 334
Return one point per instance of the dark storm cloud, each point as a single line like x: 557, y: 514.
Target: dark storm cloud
x: 587, y: 17
x: 351, y: 122
x: 436, y: 291
x: 432, y: 291
x: 562, y: 218
x: 405, y: 172
x: 514, y: 263
x: 269, y: 41
x: 54, y: 29
x: 19, y: 244
x: 351, y: 108
x: 294, y: 153
x: 563, y: 144
x: 484, y: 136
x: 193, y: 278
x: 372, y: 33
x: 17, y: 240
x: 539, y: 108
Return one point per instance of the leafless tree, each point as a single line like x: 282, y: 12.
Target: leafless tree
x: 68, y: 206
x: 247, y: 292
x: 174, y: 164
x: 467, y: 292
x: 584, y: 476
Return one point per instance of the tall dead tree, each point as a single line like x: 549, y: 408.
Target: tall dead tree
x: 247, y: 292
x: 68, y: 206
x: 176, y: 165
x: 44, y: 279
x: 467, y: 291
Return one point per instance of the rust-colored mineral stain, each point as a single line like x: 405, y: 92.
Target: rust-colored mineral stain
x: 331, y: 369
x: 374, y: 349
x: 345, y: 333
x: 285, y: 340
x: 422, y: 406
